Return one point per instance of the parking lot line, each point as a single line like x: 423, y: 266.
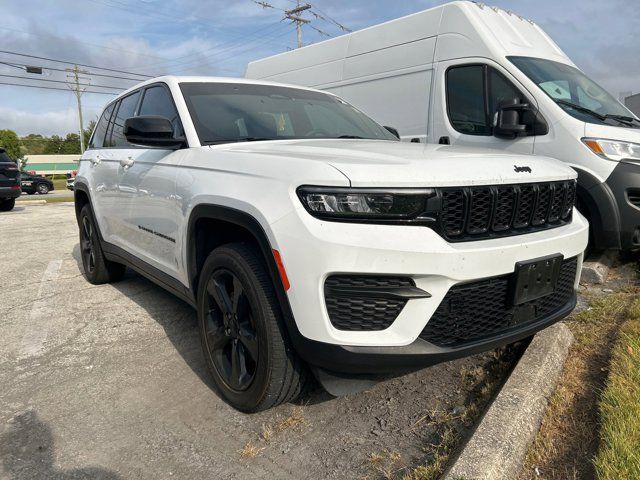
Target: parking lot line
x: 38, y: 325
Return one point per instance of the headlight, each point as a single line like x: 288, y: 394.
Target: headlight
x: 613, y: 149
x: 365, y: 203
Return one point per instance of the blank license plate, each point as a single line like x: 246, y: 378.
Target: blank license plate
x: 536, y: 278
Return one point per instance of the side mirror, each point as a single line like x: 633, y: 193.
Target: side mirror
x: 510, y: 119
x: 152, y: 131
x: 393, y: 131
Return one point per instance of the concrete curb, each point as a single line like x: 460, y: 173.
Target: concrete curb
x: 31, y: 202
x: 499, y: 445
x: 596, y: 270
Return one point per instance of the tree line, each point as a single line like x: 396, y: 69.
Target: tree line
x: 35, y: 144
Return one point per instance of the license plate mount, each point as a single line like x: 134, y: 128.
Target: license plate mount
x: 536, y: 278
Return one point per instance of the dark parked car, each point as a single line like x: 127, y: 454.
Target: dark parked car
x: 35, y: 184
x: 9, y: 182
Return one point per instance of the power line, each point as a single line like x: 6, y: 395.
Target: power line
x: 22, y: 66
x: 53, y: 88
x: 74, y: 63
x: 59, y: 81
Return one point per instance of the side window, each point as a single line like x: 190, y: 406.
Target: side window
x: 157, y: 101
x: 97, y: 140
x: 126, y: 109
x: 474, y: 94
x: 501, y: 90
x: 466, y: 100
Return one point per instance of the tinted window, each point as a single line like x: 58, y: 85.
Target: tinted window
x: 466, y: 100
x: 501, y: 91
x: 4, y: 157
x: 474, y: 95
x: 157, y: 101
x: 97, y: 141
x: 126, y: 109
x: 231, y: 112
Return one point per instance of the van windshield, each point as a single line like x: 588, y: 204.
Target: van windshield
x: 576, y: 93
x: 238, y: 112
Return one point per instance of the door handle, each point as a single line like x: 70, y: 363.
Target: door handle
x: 126, y: 162
x: 95, y: 160
x: 444, y: 141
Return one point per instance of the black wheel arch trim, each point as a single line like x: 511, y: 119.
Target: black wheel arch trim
x: 602, y: 209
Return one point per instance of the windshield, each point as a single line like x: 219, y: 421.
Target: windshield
x: 232, y: 112
x: 576, y: 93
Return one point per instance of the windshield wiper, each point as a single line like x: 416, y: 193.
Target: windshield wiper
x: 618, y: 118
x: 623, y: 118
x: 350, y: 136
x: 241, y: 139
x: 580, y: 108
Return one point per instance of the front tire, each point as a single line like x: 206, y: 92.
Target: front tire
x: 97, y: 268
x: 242, y: 331
x: 42, y: 188
x: 7, y: 205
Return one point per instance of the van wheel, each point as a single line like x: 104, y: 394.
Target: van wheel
x: 7, y: 204
x: 97, y: 268
x: 242, y: 331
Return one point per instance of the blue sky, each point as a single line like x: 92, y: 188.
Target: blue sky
x: 215, y: 37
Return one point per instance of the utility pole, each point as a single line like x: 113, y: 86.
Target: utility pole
x: 294, y: 16
x: 74, y: 85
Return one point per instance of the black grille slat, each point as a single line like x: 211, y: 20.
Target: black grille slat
x: 541, y: 213
x: 453, y: 207
x: 480, y: 207
x: 505, y: 204
x: 569, y: 199
x: 556, y: 203
x: 363, y: 313
x: 473, y: 311
x: 634, y: 197
x: 470, y: 213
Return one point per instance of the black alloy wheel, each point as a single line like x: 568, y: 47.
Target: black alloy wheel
x: 87, y: 245
x: 231, y: 338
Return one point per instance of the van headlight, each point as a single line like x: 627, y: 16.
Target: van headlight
x: 380, y: 204
x: 615, y: 150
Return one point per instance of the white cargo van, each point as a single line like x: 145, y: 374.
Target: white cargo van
x: 468, y: 74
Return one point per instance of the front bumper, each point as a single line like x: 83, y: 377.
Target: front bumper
x: 624, y: 179
x: 313, y: 250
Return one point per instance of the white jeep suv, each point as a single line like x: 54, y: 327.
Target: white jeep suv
x: 309, y: 238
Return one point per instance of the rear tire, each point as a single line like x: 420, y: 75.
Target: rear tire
x: 240, y: 319
x: 97, y: 268
x: 42, y: 188
x: 7, y: 205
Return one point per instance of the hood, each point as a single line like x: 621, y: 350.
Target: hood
x: 612, y: 133
x: 378, y: 163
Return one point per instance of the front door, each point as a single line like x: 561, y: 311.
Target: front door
x: 467, y: 96
x: 146, y: 185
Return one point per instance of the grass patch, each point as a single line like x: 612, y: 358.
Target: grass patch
x: 60, y: 184
x: 619, y: 454
x: 568, y: 438
x: 295, y: 421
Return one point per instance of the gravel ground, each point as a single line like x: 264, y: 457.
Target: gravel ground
x: 109, y: 382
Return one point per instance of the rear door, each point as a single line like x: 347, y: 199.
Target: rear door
x: 146, y: 182
x: 98, y: 176
x: 467, y: 96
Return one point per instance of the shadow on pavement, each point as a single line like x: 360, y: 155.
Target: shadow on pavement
x: 27, y: 452
x: 180, y: 323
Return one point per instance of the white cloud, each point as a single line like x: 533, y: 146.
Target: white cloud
x: 47, y: 123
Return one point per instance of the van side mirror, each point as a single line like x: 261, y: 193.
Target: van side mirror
x: 152, y: 131
x: 509, y: 123
x: 515, y: 119
x: 393, y: 131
